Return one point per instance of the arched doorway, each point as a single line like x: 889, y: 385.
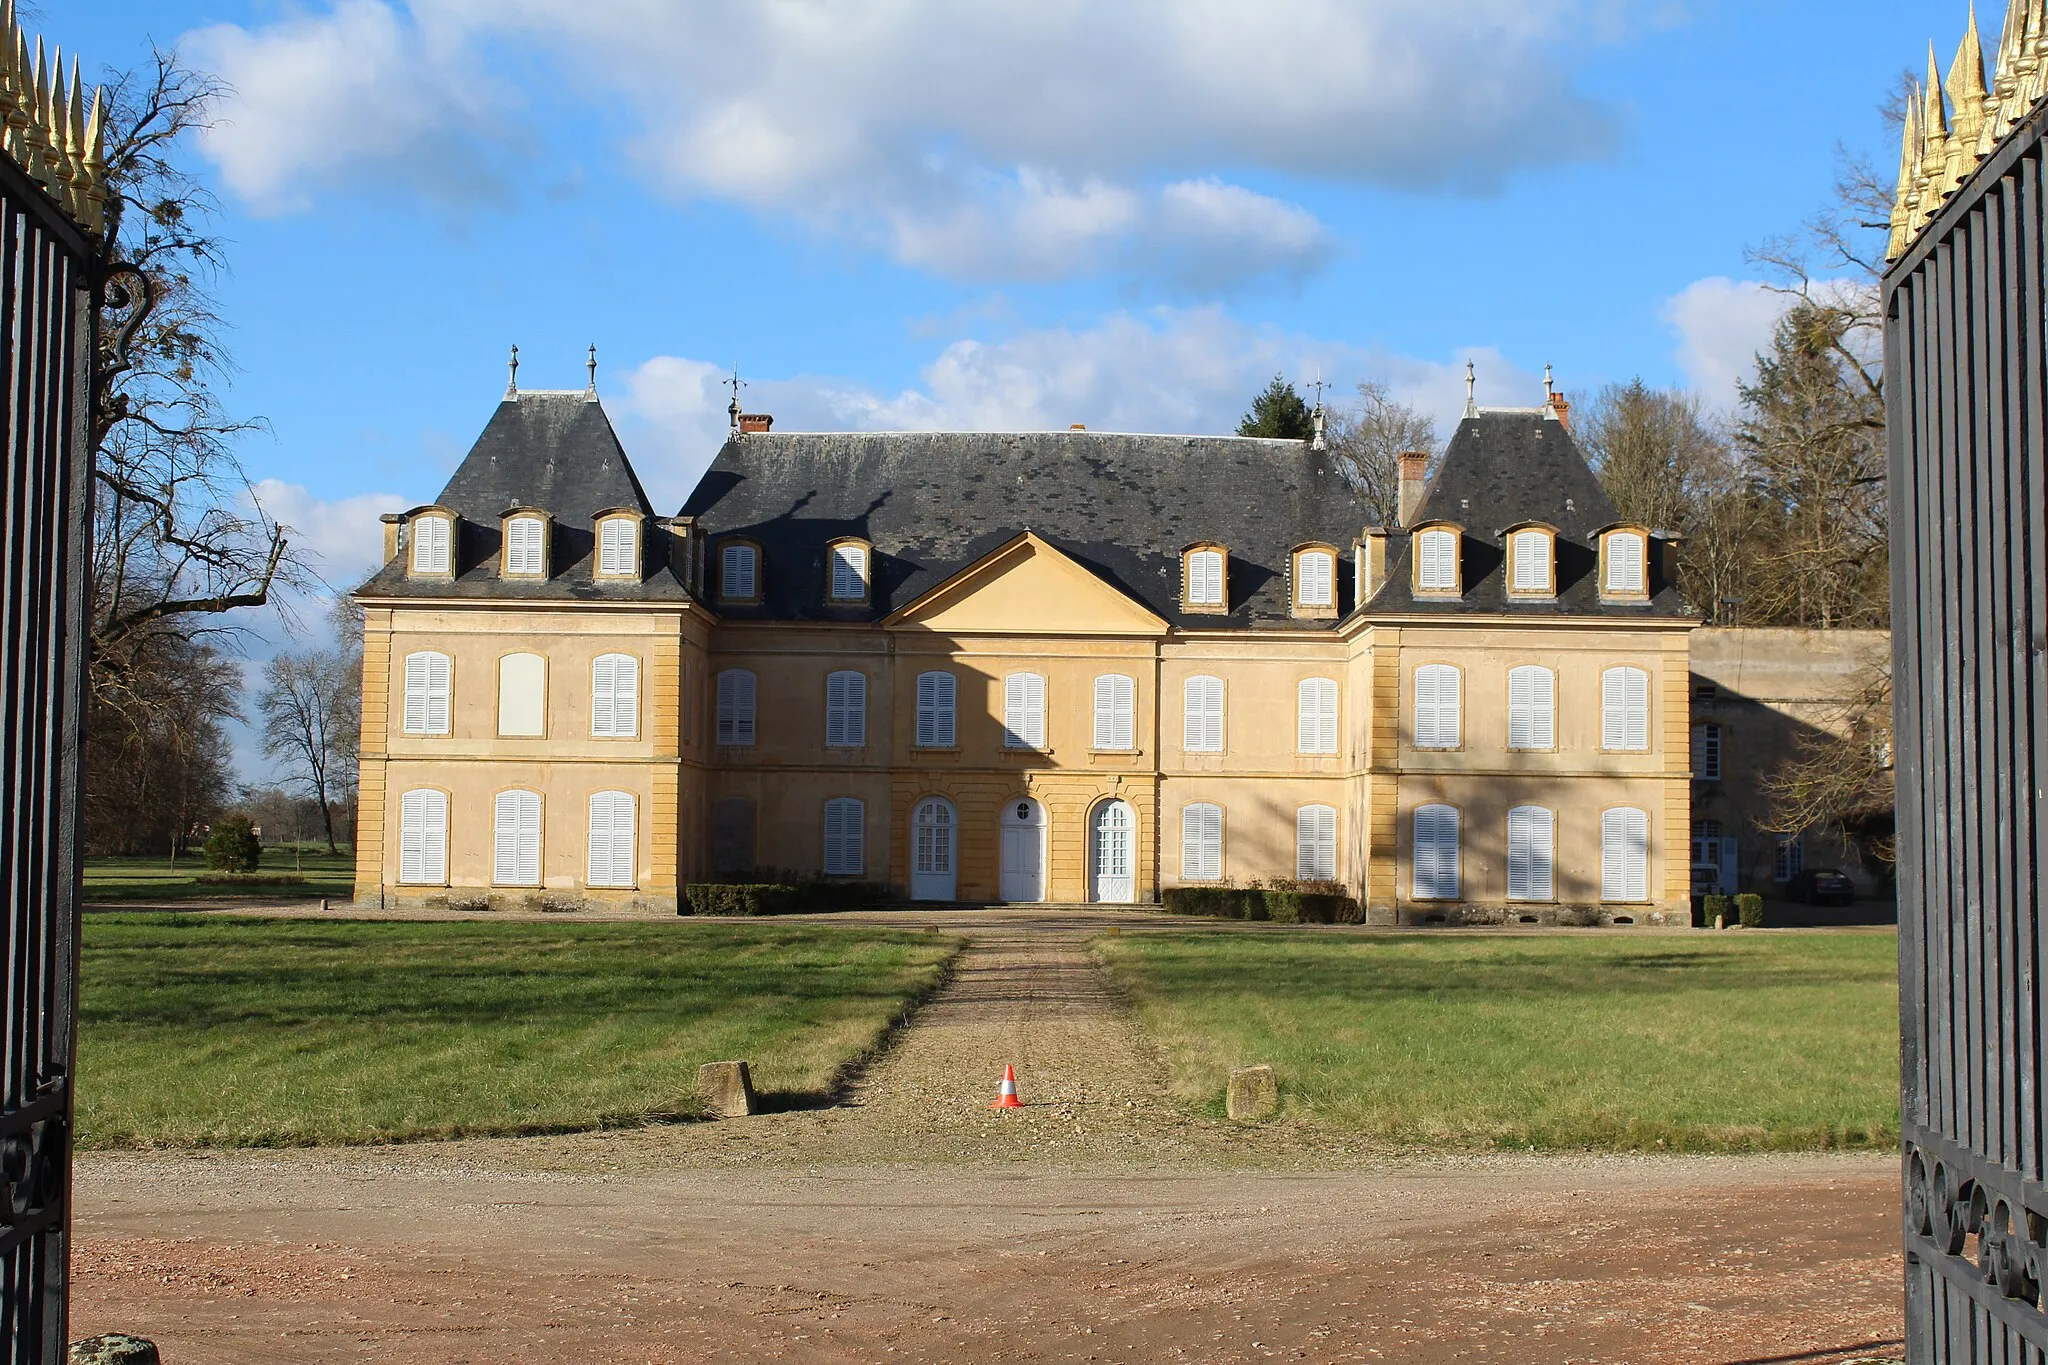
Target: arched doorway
x: 1113, y: 854
x: 1023, y: 850
x: 932, y: 850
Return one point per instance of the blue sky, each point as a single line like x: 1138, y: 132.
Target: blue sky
x: 1006, y: 213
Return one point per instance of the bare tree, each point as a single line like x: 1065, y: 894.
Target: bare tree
x: 309, y: 706
x: 1368, y: 439
x: 1839, y: 775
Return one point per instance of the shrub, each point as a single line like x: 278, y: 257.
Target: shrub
x: 250, y: 879
x: 1284, y: 903
x: 1751, y: 907
x: 232, y: 845
x: 1713, y: 906
x: 754, y: 899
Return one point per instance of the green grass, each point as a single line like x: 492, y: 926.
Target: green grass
x: 203, y: 1030
x: 1728, y: 1042
x: 154, y: 878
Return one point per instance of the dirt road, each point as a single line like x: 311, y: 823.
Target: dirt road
x: 1099, y: 1223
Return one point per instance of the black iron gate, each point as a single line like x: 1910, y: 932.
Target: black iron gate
x: 1967, y: 399
x: 51, y: 209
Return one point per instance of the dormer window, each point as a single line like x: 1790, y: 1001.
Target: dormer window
x: 739, y: 572
x: 526, y: 547
x: 433, y: 545
x: 1436, y: 561
x: 1315, y: 581
x: 1532, y: 562
x: 1624, y: 563
x: 1204, y: 579
x: 618, y: 547
x: 849, y: 571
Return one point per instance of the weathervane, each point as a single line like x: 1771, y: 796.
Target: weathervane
x: 1471, y: 391
x: 512, y: 384
x: 592, y: 362
x: 733, y: 410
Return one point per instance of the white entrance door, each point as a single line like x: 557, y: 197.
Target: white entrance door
x: 1115, y: 854
x: 1023, y: 851
x: 931, y: 850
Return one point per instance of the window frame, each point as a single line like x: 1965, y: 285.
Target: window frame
x: 1195, y: 725
x: 843, y: 806
x: 1435, y: 891
x: 942, y: 711
x: 1303, y: 848
x: 540, y: 828
x: 866, y: 573
x: 1610, y: 708
x: 1204, y: 839
x: 541, y: 522
x: 441, y: 794
x: 1437, y: 671
x: 629, y: 523
x: 1615, y: 818
x: 1519, y: 535
x: 1788, y: 857
x: 1419, y: 540
x: 1709, y: 743
x: 753, y: 547
x: 1608, y: 591
x: 850, y: 713
x: 1546, y: 889
x: 1189, y: 602
x: 446, y: 697
x: 631, y: 692
x: 1024, y: 717
x: 413, y: 568
x: 1122, y: 714
x: 1548, y: 712
x: 727, y: 719
x: 545, y: 709
x: 1298, y: 580
x: 631, y: 880
x: 1328, y: 739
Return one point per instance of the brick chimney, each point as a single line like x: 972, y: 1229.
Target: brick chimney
x: 1414, y: 466
x: 1561, y: 409
x: 753, y: 423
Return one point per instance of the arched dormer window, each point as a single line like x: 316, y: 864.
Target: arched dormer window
x: 849, y: 562
x: 1315, y: 580
x: 1205, y: 579
x: 618, y: 544
x: 1437, y: 568
x: 526, y: 545
x: 1625, y: 563
x: 1532, y: 561
x: 739, y: 571
x: 432, y: 538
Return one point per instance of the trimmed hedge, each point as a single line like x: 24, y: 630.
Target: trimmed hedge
x: 1262, y: 903
x: 1715, y: 906
x: 754, y: 899
x: 250, y: 879
x: 1751, y: 907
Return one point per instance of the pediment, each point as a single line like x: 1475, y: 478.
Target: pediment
x: 1027, y: 586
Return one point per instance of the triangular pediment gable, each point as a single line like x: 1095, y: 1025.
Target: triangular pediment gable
x: 1027, y: 586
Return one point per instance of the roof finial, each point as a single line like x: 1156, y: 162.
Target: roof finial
x: 591, y: 392
x: 1316, y: 416
x: 1548, y: 387
x: 1471, y: 391
x: 733, y: 409
x: 512, y: 384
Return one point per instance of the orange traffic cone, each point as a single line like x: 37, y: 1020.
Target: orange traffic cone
x: 1006, y: 1095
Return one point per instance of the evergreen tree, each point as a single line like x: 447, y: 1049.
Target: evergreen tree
x: 1279, y: 411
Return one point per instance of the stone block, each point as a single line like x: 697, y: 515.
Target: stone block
x: 1254, y: 1093
x: 114, y: 1348
x: 728, y: 1089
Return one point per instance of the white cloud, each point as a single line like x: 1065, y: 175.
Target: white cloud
x: 1165, y: 370
x: 1004, y: 140
x: 1722, y: 324
x: 343, y: 536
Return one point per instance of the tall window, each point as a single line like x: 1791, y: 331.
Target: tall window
x: 1791, y: 857
x: 426, y: 693
x: 1530, y: 554
x: 432, y: 545
x: 1532, y: 708
x: 517, y: 860
x: 1706, y: 752
x: 423, y: 838
x: 1625, y: 709
x: 1201, y: 843
x: 1624, y: 562
x: 1205, y: 578
x: 1202, y: 723
x: 1436, y: 853
x: 611, y: 839
x: 845, y: 837
x: 935, y: 694
x: 1115, y: 712
x: 1436, y: 707
x: 1532, y: 854
x: 1624, y: 854
x: 846, y: 710
x: 525, y: 539
x: 1315, y: 844
x: 616, y: 548
x: 1315, y: 716
x: 739, y: 577
x: 522, y: 696
x: 849, y: 573
x: 736, y: 707
x: 1024, y: 711
x: 1436, y: 561
x: 1315, y: 579
x: 615, y: 696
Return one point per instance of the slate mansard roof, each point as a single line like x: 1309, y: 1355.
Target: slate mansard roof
x: 932, y: 503
x: 554, y: 450
x: 1503, y: 468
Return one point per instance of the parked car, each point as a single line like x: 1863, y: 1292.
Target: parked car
x: 1706, y: 881
x: 1821, y: 886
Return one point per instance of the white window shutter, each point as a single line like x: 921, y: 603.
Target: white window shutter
x: 736, y: 707
x: 1532, y: 707
x: 1205, y: 578
x: 423, y: 837
x: 611, y: 839
x: 1315, y: 844
x: 845, y: 829
x: 603, y: 683
x: 615, y: 546
x: 1624, y: 855
x: 946, y: 692
x: 1318, y: 575
x: 1201, y: 842
x: 846, y: 710
x: 430, y: 545
x: 835, y: 711
x: 427, y: 678
x: 737, y: 578
x: 1436, y: 853
x: 516, y: 860
x: 1624, y: 562
x: 1114, y: 719
x: 1437, y: 718
x: 1024, y: 711
x: 935, y: 696
x: 415, y: 694
x: 1625, y: 709
x: 1531, y: 561
x: 1531, y: 853
x: 1316, y: 716
x: 1202, y: 723
x: 1438, y: 553
x: 849, y: 572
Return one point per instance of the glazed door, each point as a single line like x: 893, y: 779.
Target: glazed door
x: 932, y: 852
x: 1114, y: 864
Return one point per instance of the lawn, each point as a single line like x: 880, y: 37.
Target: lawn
x: 1721, y: 1042
x: 155, y: 878
x: 202, y: 1029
